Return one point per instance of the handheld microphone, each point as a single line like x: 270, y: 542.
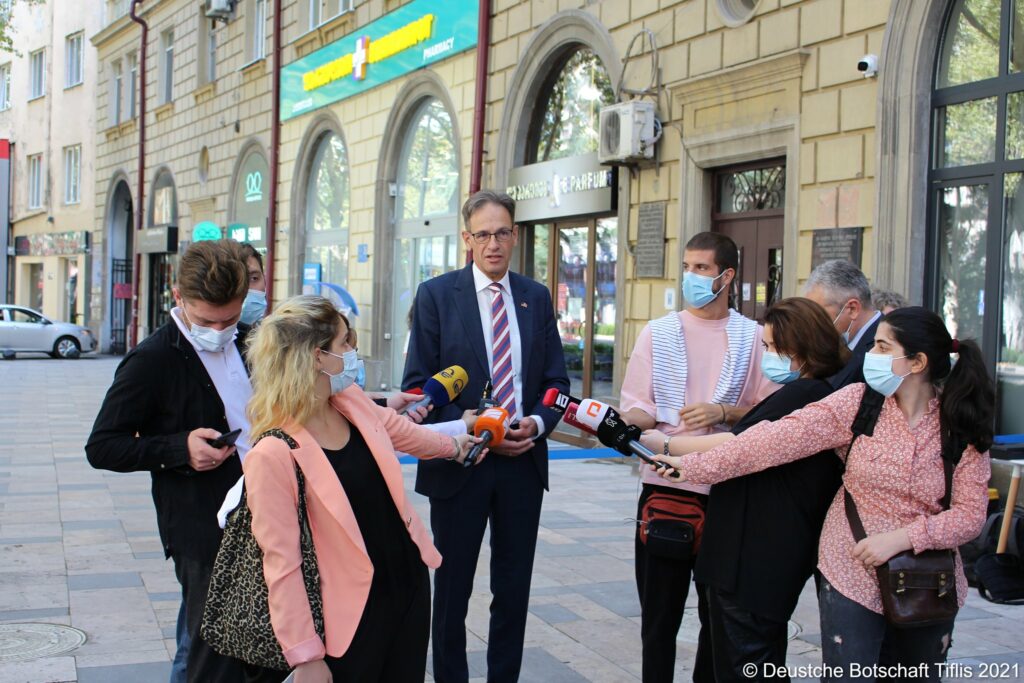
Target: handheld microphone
x: 613, y: 432
x: 490, y: 427
x: 566, y: 406
x: 441, y: 389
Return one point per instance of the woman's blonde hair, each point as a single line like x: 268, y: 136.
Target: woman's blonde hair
x: 283, y: 364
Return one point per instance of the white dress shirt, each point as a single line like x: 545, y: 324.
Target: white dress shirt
x: 227, y: 371
x: 484, y: 299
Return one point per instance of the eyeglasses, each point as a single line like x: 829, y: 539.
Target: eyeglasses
x: 483, y: 237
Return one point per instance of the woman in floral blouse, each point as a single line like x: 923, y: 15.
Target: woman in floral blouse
x: 895, y: 478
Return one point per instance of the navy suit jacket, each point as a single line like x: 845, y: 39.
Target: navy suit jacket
x: 853, y: 371
x: 446, y: 330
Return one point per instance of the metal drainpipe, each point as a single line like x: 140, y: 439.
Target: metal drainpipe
x: 480, y: 103
x: 140, y: 204
x: 275, y: 150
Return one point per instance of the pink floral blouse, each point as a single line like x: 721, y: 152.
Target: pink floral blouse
x: 895, y: 478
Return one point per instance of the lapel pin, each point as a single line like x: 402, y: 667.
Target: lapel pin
x: 524, y: 305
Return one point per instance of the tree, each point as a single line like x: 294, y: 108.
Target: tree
x: 7, y: 29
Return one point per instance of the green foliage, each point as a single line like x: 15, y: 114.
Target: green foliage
x: 569, y: 124
x: 7, y: 30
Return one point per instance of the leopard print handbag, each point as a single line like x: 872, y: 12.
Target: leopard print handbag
x: 236, y: 619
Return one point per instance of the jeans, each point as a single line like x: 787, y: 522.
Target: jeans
x: 180, y: 662
x: 854, y: 639
x: 740, y: 639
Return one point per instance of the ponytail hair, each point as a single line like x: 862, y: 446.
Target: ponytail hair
x: 967, y: 398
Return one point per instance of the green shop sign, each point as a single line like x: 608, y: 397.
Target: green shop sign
x: 413, y: 36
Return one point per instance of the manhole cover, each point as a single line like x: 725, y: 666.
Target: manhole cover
x: 32, y: 641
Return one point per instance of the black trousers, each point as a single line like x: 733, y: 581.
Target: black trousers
x: 854, y: 639
x: 740, y: 638
x: 663, y: 585
x: 507, y: 494
x: 203, y: 663
x: 389, y: 645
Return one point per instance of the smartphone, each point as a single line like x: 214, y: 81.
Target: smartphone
x: 225, y: 439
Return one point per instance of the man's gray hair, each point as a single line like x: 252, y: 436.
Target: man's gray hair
x: 482, y: 198
x: 884, y: 298
x: 840, y: 281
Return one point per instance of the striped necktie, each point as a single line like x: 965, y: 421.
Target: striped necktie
x: 501, y: 353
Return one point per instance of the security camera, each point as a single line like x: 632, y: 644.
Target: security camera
x: 868, y: 65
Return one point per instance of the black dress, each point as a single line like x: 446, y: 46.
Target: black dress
x: 390, y: 643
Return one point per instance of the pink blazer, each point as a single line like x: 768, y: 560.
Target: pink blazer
x: 345, y: 568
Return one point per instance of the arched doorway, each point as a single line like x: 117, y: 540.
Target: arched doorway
x: 327, y: 210
x: 120, y: 234
x: 426, y: 240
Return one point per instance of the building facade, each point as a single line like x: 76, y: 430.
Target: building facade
x: 47, y: 113
x: 775, y: 128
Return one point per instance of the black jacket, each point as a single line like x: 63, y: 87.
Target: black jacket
x: 853, y: 371
x: 761, y: 533
x: 160, y: 393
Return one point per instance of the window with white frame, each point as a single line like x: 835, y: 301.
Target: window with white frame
x: 72, y: 174
x: 315, y: 13
x: 37, y: 74
x: 206, y: 65
x: 5, y: 87
x: 322, y: 11
x: 35, y: 181
x: 116, y: 92
x: 73, y: 45
x: 133, y: 85
x: 167, y: 68
x: 258, y: 48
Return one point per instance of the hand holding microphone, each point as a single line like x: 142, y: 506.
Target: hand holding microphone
x: 614, y: 432
x: 491, y: 427
x: 440, y: 390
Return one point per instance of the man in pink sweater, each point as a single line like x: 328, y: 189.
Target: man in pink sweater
x: 691, y: 373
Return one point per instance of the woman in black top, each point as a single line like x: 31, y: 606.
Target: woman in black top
x: 760, y: 538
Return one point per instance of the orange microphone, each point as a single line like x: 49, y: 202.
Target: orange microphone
x: 491, y: 426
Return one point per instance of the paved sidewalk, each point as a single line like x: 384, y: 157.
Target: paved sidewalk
x: 78, y: 547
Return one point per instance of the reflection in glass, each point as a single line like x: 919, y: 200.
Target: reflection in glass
x: 970, y: 51
x: 571, y: 112
x: 1017, y: 37
x: 327, y: 210
x: 1010, y: 366
x: 603, y: 352
x: 538, y: 249
x: 967, y: 133
x: 571, y: 301
x: 963, y: 223
x: 428, y: 180
x: 1015, y: 125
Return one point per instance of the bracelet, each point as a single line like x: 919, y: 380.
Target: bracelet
x: 723, y: 412
x: 458, y: 451
x: 664, y: 448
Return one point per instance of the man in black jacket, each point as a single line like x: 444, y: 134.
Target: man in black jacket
x: 183, y: 385
x: 843, y: 291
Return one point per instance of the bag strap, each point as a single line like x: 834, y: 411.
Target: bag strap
x: 279, y: 433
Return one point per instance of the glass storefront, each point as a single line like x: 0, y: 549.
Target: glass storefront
x: 327, y: 210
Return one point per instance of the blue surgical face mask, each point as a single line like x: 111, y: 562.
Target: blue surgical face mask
x: 775, y: 367
x: 879, y: 375
x: 254, y: 307
x: 361, y: 374
x: 347, y: 377
x: 846, y: 335
x: 698, y: 290
x: 209, y: 339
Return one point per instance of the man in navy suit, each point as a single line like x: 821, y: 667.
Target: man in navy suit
x: 499, y: 326
x: 841, y: 288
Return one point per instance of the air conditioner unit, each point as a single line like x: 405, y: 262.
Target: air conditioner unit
x: 220, y: 9
x: 627, y: 132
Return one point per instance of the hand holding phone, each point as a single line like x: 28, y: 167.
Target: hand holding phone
x: 225, y: 439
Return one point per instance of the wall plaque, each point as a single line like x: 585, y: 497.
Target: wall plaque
x: 837, y: 243
x: 650, y: 240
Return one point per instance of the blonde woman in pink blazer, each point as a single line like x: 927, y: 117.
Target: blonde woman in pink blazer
x: 372, y: 548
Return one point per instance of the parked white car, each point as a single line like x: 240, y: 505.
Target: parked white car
x: 23, y: 330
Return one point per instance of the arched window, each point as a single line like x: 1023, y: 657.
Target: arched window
x: 327, y: 210
x: 163, y: 202
x: 426, y: 232
x: 567, y: 119
x: 977, y: 195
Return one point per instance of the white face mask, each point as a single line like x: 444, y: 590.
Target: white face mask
x: 209, y: 339
x: 349, y: 371
x: 846, y: 335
